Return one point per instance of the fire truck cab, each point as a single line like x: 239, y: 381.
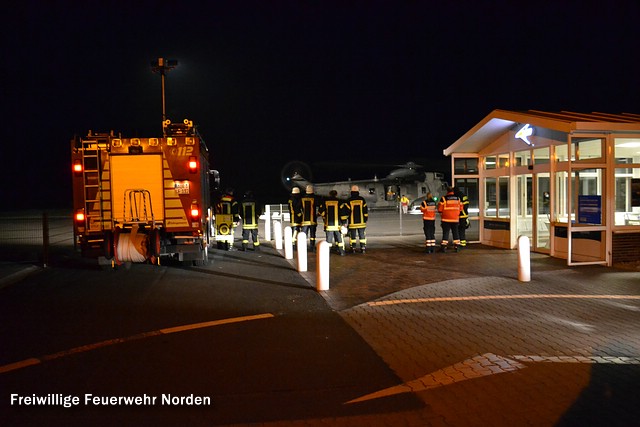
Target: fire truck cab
x: 143, y: 199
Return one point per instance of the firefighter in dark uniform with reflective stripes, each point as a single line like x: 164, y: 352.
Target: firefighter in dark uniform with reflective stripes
x: 450, y: 207
x: 429, y: 208
x: 228, y: 205
x: 334, y: 216
x: 358, y: 214
x: 309, y: 222
x: 250, y: 213
x: 295, y: 213
x: 464, y: 217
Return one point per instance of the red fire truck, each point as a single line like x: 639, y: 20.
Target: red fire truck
x: 143, y: 199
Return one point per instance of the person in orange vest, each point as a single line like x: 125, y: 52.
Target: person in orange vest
x: 429, y: 207
x: 450, y: 207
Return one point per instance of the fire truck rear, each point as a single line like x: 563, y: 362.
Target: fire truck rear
x: 143, y: 199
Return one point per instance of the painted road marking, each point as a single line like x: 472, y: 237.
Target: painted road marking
x: 82, y: 349
x: 499, y: 297
x: 484, y: 365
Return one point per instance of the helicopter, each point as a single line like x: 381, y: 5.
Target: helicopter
x: 408, y: 179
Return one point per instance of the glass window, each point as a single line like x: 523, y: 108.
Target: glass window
x: 503, y: 197
x: 560, y: 197
x: 562, y: 153
x: 469, y: 186
x: 541, y: 156
x: 627, y: 150
x: 523, y: 158
x: 490, y: 162
x: 627, y: 196
x: 587, y: 201
x: 496, y: 203
x: 503, y: 160
x: 465, y: 166
x: 490, y: 197
x: 587, y: 148
x: 588, y: 204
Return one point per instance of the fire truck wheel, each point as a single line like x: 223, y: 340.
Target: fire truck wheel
x: 108, y: 244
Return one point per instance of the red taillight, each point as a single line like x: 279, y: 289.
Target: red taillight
x: 195, y: 211
x: 193, y: 164
x: 77, y: 167
x: 80, y: 216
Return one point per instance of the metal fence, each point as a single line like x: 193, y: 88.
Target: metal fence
x: 31, y: 236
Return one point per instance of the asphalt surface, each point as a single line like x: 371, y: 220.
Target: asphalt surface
x: 469, y: 341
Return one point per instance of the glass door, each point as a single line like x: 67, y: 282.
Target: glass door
x: 542, y: 216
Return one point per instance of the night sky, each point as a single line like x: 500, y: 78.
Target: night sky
x: 328, y: 83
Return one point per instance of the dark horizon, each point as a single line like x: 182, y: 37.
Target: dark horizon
x: 267, y: 83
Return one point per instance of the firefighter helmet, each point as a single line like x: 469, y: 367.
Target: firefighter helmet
x: 355, y: 188
x: 309, y: 189
x: 295, y: 190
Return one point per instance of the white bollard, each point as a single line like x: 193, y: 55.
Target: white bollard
x: 302, y: 252
x: 524, y: 259
x: 277, y: 231
x: 267, y: 223
x: 288, y: 243
x: 322, y: 259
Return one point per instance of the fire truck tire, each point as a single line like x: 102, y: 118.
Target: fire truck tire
x: 108, y: 244
x: 116, y: 237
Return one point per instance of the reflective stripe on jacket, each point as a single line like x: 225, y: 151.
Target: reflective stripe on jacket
x: 358, y: 211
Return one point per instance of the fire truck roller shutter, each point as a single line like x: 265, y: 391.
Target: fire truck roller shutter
x: 141, y: 171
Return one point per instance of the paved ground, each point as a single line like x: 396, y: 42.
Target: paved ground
x: 479, y: 347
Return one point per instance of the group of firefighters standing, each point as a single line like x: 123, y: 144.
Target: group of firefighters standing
x: 348, y: 217
x: 339, y: 217
x: 454, y: 213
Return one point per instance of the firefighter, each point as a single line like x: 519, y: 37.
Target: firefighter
x: 450, y: 207
x: 309, y: 222
x: 295, y: 213
x: 358, y: 214
x: 334, y: 216
x: 250, y: 212
x: 463, y: 224
x: 429, y: 207
x: 228, y: 205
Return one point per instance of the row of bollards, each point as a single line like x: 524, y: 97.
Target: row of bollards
x: 323, y: 249
x: 322, y: 254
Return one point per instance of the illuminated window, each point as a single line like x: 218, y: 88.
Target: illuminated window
x: 522, y: 158
x: 587, y: 149
x: 496, y: 203
x: 562, y: 153
x: 627, y: 196
x: 627, y: 150
x: 541, y: 156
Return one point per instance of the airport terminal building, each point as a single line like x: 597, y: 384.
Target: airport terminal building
x: 568, y: 181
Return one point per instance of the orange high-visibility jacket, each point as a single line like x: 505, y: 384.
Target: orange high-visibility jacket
x: 429, y: 209
x: 450, y: 207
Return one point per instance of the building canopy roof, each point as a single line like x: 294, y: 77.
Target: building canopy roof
x: 500, y: 121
